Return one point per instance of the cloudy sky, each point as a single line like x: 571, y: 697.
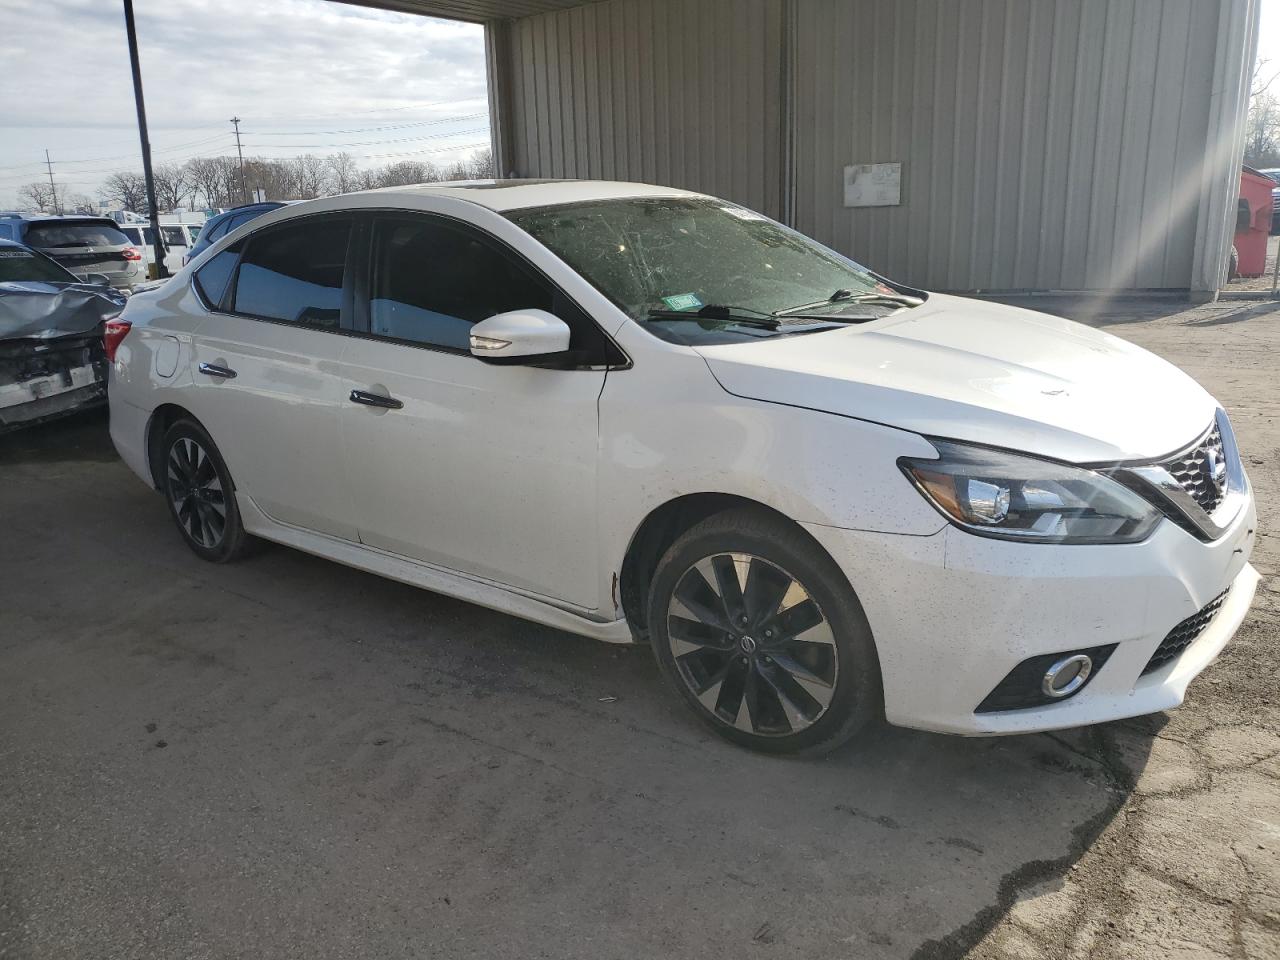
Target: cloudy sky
x: 304, y: 76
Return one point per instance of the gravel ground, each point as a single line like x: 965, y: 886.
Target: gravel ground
x: 287, y: 758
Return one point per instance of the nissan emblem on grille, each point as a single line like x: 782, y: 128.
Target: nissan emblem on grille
x: 1203, y: 471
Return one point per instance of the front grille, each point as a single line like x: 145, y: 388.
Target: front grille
x: 1184, y: 634
x: 1194, y: 471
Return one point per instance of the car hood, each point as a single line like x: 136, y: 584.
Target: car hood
x: 42, y: 310
x: 982, y: 372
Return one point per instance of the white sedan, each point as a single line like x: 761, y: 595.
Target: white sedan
x: 647, y: 415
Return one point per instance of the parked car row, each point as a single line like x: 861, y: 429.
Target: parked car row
x: 82, y: 244
x: 52, y: 359
x: 176, y: 238
x: 1274, y: 174
x: 642, y: 414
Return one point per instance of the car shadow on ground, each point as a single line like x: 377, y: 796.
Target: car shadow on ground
x: 453, y: 759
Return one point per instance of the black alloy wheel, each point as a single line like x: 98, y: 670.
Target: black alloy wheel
x: 752, y: 645
x: 195, y: 490
x: 760, y: 633
x: 200, y: 494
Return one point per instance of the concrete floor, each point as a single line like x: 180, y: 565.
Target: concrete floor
x: 287, y: 758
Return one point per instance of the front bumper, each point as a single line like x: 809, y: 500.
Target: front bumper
x: 953, y: 613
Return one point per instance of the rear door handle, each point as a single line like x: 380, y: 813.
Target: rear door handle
x: 375, y: 400
x: 213, y: 370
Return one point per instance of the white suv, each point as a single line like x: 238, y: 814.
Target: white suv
x: 642, y: 414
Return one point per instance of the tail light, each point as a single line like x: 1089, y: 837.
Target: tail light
x: 131, y: 253
x: 113, y: 332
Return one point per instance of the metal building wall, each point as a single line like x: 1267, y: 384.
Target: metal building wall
x: 681, y: 92
x: 1046, y: 144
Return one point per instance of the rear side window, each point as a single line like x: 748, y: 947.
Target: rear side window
x: 53, y: 235
x: 294, y: 273
x: 432, y: 281
x: 240, y: 219
x: 19, y: 265
x: 211, y: 279
x: 218, y: 230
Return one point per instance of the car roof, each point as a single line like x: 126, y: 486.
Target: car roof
x: 66, y: 218
x: 502, y: 195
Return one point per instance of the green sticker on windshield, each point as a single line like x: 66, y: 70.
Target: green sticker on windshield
x: 683, y: 301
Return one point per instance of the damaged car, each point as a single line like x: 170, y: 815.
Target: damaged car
x: 51, y: 325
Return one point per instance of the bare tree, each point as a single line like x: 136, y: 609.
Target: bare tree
x: 1263, y: 76
x: 344, y: 172
x: 406, y: 172
x: 274, y: 178
x: 481, y: 165
x: 79, y: 203
x: 126, y: 188
x: 37, y: 196
x: 1262, y: 132
x: 174, y: 185
x: 309, y: 175
x: 215, y: 179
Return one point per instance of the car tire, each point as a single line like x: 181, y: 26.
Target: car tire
x: 200, y: 494
x: 762, y: 636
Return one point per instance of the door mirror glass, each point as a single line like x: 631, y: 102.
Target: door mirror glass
x: 97, y: 279
x: 519, y: 336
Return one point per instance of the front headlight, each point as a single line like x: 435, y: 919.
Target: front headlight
x: 1013, y: 497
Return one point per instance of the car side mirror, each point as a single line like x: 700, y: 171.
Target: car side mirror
x: 528, y: 337
x: 97, y: 279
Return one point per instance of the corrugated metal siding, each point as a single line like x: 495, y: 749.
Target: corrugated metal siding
x: 679, y: 92
x: 1046, y: 144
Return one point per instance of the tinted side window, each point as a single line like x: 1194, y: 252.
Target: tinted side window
x: 6, y: 231
x: 218, y: 230
x: 432, y: 281
x: 211, y: 279
x: 294, y: 273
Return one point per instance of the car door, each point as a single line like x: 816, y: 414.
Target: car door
x: 266, y: 366
x: 486, y: 470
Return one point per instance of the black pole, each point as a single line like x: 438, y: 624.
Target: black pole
x: 156, y: 243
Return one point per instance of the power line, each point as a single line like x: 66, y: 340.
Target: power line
x: 176, y: 148
x: 374, y: 143
x: 412, y: 106
x: 394, y: 126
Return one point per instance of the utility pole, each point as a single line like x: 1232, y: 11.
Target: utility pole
x: 157, y: 244
x: 244, y: 190
x: 48, y: 164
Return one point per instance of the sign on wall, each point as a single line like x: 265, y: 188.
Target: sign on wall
x: 873, y: 185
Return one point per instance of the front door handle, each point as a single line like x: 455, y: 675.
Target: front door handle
x: 213, y: 370
x: 375, y: 400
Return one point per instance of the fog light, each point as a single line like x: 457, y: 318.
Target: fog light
x: 1066, y: 676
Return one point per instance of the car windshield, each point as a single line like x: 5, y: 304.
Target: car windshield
x: 173, y: 236
x: 53, y: 234
x: 22, y: 265
x: 673, y: 255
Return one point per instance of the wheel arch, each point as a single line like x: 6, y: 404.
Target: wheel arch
x: 659, y: 529
x: 162, y: 418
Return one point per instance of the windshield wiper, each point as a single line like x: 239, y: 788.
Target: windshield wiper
x: 847, y: 296
x: 715, y: 311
